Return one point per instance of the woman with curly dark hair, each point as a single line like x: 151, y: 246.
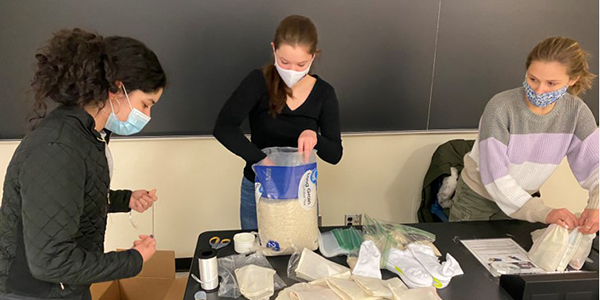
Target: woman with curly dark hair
x: 56, y: 191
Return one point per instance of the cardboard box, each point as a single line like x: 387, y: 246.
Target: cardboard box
x: 156, y: 281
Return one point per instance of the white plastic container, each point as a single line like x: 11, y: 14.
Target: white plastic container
x: 243, y: 242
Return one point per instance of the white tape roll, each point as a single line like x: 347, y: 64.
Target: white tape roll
x: 209, y: 271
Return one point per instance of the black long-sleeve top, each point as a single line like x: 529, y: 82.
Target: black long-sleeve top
x: 319, y: 112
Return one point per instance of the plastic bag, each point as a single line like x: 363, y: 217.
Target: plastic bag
x: 309, y: 266
x: 349, y: 239
x: 292, y: 265
x: 227, y: 266
x: 255, y: 282
x: 389, y: 235
x: 582, y: 252
x: 340, y: 241
x: 286, y: 190
x: 549, y: 247
x: 554, y: 247
x: 329, y: 246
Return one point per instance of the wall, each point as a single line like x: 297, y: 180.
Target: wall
x: 198, y: 181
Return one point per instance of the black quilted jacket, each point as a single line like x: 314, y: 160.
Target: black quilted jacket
x: 54, y: 209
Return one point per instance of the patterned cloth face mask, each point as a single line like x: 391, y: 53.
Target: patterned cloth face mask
x: 135, y: 121
x: 545, y: 99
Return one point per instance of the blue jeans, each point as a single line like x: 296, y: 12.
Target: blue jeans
x: 248, y: 205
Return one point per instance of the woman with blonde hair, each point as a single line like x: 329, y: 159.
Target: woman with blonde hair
x: 524, y: 134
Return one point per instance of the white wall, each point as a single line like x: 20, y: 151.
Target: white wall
x: 198, y: 181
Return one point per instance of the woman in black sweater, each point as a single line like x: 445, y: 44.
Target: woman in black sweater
x: 286, y: 107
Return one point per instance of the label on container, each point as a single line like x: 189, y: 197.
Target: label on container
x: 307, y: 189
x: 282, y: 182
x: 273, y: 245
x: 258, y: 191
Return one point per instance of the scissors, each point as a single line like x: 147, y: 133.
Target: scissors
x: 218, y: 243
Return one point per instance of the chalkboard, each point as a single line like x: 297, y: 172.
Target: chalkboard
x: 396, y: 64
x: 483, y: 46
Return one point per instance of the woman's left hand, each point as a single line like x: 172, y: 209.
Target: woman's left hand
x: 588, y: 221
x: 141, y: 200
x: 307, y: 142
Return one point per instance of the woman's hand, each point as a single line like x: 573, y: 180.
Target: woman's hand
x: 267, y: 162
x: 141, y: 200
x: 588, y: 221
x: 307, y: 142
x: 563, y: 217
x: 146, y: 246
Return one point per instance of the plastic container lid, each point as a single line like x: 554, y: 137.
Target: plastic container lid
x: 201, y: 295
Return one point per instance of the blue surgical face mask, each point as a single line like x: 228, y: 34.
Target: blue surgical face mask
x: 545, y: 99
x: 134, y: 124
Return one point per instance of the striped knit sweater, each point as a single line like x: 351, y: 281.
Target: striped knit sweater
x: 517, y: 150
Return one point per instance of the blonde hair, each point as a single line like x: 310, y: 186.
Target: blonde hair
x: 567, y: 52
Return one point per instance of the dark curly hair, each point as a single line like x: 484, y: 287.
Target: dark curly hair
x: 79, y: 68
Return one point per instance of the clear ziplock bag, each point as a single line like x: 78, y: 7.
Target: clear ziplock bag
x: 387, y: 235
x: 286, y: 191
x: 229, y: 286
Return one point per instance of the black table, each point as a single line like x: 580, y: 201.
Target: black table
x: 476, y: 283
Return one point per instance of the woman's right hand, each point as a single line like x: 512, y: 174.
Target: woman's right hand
x: 267, y: 162
x: 562, y: 217
x: 146, y: 246
x: 307, y: 142
x: 588, y: 221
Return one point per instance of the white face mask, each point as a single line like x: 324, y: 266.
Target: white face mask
x: 290, y: 77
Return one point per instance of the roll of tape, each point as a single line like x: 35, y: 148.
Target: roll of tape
x: 209, y: 271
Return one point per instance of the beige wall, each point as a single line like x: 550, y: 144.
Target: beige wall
x: 198, y: 181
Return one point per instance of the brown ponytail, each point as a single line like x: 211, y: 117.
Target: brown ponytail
x: 294, y: 31
x: 567, y: 52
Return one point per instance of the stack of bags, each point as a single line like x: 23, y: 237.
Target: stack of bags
x: 328, y: 280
